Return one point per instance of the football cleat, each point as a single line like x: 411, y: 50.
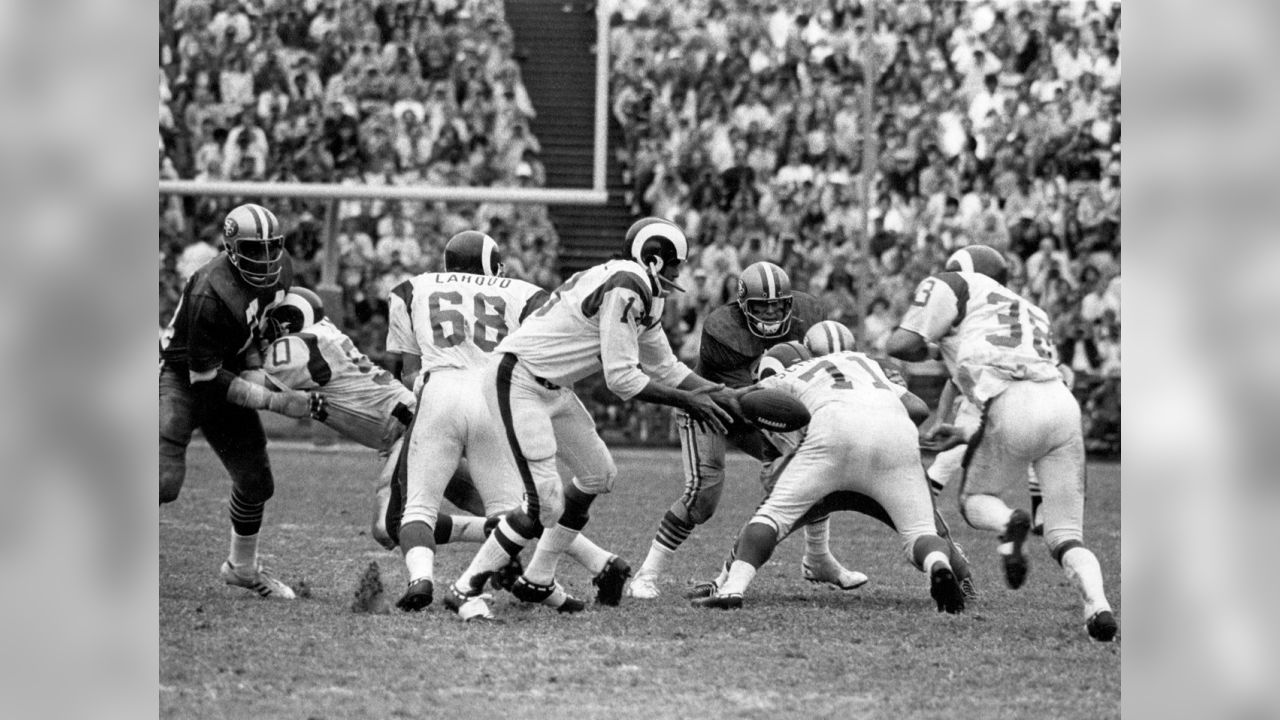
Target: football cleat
x: 418, y: 596
x: 833, y: 573
x: 611, y: 580
x: 644, y: 586
x: 1102, y: 626
x: 551, y: 595
x: 468, y: 607
x: 945, y: 590
x: 507, y: 575
x: 1012, y: 548
x: 702, y: 590
x: 968, y: 588
x: 732, y: 601
x: 257, y: 579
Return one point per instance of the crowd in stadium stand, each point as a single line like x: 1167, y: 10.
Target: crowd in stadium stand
x: 352, y: 92
x: 996, y: 122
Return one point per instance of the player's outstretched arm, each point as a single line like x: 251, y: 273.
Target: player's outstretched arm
x: 244, y: 392
x: 907, y: 345
x: 699, y: 404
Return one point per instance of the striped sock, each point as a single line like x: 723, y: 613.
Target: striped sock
x: 673, y: 531
x: 246, y: 516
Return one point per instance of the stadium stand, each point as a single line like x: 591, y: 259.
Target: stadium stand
x: 996, y: 122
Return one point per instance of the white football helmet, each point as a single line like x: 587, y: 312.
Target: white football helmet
x: 828, y: 337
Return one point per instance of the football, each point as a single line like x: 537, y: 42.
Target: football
x: 773, y: 410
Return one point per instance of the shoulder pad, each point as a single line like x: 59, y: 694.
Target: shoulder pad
x: 806, y: 311
x: 728, y: 326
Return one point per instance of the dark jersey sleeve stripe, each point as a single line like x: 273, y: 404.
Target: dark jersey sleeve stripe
x: 534, y: 302
x: 316, y: 365
x: 591, y: 303
x: 404, y: 291
x: 961, y: 290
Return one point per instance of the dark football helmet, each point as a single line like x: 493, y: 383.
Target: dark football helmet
x: 661, y: 247
x: 300, y: 309
x: 254, y: 244
x: 764, y: 294
x: 472, y: 251
x: 979, y: 259
x: 779, y: 358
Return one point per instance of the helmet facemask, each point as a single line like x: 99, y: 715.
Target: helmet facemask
x: 768, y: 318
x: 258, y: 261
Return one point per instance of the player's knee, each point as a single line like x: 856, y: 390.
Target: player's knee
x: 1060, y: 543
x: 256, y: 488
x: 597, y: 483
x: 704, y: 505
x: 525, y: 525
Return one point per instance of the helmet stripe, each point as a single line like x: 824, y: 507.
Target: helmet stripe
x: 257, y: 220
x: 831, y: 338
x: 769, y: 283
x: 487, y: 247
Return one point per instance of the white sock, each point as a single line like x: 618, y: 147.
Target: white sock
x: 489, y: 558
x: 588, y: 554
x: 421, y: 563
x: 987, y: 512
x: 740, y: 576
x: 935, y: 557
x: 244, y: 550
x: 467, y: 528
x: 656, y: 561
x: 1082, y: 569
x: 817, y: 540
x: 541, y: 569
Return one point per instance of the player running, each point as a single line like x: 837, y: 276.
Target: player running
x: 999, y: 350
x: 606, y: 318
x: 734, y: 336
x: 860, y: 452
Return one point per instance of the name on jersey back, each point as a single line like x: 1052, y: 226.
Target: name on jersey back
x: 482, y: 280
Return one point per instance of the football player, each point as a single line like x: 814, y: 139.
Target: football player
x: 829, y: 337
x: 213, y: 333
x: 999, y: 350
x: 859, y: 452
x: 606, y: 318
x: 734, y: 336
x: 348, y: 392
x: 445, y: 326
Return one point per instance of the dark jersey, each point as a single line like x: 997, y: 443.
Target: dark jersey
x: 217, y: 318
x: 729, y: 349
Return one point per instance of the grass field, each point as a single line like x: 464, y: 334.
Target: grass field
x: 796, y: 650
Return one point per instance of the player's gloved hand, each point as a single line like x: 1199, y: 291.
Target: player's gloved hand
x: 943, y: 437
x: 317, y: 407
x: 706, y: 412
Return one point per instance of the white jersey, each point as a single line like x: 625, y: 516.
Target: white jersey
x: 843, y: 377
x: 603, y: 318
x: 363, y: 399
x: 990, y: 336
x: 454, y: 319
